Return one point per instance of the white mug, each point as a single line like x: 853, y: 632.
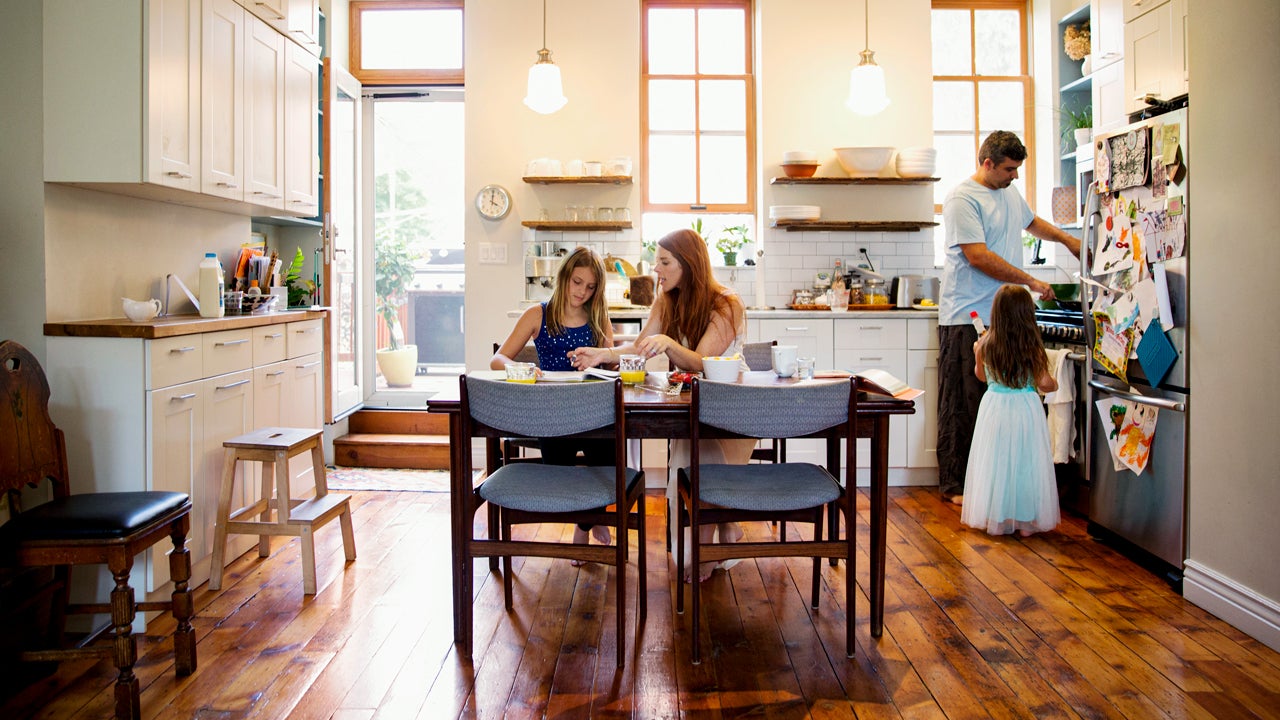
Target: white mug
x: 141, y: 310
x: 784, y: 360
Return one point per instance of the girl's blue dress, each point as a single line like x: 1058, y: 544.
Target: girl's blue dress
x: 1009, y: 484
x: 553, y: 350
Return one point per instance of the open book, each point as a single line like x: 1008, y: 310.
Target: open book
x: 577, y: 375
x: 882, y: 382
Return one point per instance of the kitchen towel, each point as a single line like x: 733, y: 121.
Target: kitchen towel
x: 1061, y: 405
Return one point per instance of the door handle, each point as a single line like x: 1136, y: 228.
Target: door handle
x: 1161, y: 403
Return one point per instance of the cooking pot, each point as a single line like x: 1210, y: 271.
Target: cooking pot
x: 907, y: 290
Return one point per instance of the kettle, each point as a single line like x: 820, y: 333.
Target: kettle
x: 907, y: 290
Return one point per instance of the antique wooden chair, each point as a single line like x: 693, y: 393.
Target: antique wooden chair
x: 538, y: 493
x: 82, y: 529
x: 788, y: 492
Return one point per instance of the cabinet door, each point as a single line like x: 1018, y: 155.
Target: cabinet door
x: 304, y: 408
x: 222, y: 99
x: 228, y: 412
x: 1106, y: 33
x: 1152, y: 66
x: 176, y: 448
x: 264, y: 115
x: 173, y: 93
x: 304, y: 24
x: 302, y: 131
x: 1108, y: 98
x: 922, y: 428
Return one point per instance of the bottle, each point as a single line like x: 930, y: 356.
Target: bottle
x: 211, y: 287
x: 977, y: 323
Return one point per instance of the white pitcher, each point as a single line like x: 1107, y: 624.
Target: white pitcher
x: 784, y: 360
x: 141, y: 310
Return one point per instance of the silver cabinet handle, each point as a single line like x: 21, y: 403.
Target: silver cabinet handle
x: 310, y: 364
x: 274, y: 336
x: 228, y: 343
x: 871, y: 327
x: 869, y: 359
x: 303, y: 331
x: 178, y: 174
x: 798, y: 329
x: 182, y: 350
x: 278, y: 16
x: 277, y: 373
x: 266, y: 195
x: 180, y: 398
x: 1173, y: 405
x: 229, y: 185
x: 237, y: 383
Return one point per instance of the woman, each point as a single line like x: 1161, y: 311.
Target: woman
x: 575, y: 316
x: 693, y: 317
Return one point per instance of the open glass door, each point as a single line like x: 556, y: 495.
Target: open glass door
x: 341, y: 166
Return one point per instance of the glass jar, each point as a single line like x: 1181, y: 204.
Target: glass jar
x: 855, y: 293
x: 874, y: 292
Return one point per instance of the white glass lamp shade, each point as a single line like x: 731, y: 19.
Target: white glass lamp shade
x: 545, y: 93
x: 866, y: 87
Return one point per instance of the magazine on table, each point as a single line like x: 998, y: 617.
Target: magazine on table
x: 577, y: 375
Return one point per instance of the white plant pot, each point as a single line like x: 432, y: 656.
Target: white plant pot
x: 1086, y: 65
x: 399, y: 366
x: 1084, y: 138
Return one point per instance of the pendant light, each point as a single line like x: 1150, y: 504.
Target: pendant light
x: 545, y: 93
x: 866, y: 81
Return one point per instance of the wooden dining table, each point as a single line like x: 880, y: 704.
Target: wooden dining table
x: 653, y: 414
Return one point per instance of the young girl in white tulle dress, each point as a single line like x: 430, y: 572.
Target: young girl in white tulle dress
x: 1009, y: 483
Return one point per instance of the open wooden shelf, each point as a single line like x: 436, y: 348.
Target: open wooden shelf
x: 578, y: 180
x: 853, y: 225
x: 852, y: 181
x: 579, y: 226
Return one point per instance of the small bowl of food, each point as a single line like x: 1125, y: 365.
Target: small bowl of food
x: 721, y: 369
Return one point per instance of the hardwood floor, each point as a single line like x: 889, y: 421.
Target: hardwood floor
x: 1056, y: 625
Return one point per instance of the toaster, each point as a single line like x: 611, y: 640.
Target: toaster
x: 908, y: 290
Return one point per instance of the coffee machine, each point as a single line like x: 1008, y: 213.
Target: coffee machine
x: 540, y: 271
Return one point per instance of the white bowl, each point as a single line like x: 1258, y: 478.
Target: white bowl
x: 799, y: 156
x: 863, y: 161
x: 918, y: 153
x: 915, y: 168
x: 721, y: 369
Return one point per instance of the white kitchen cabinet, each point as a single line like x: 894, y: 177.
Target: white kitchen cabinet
x: 1109, y: 110
x: 1156, y: 54
x: 295, y: 19
x: 264, y: 114
x: 922, y: 373
x: 811, y: 336
x: 177, y: 454
x: 1106, y: 32
x: 222, y: 99
x: 876, y: 343
x: 302, y: 132
x: 228, y: 412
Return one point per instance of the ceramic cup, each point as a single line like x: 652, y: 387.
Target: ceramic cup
x: 141, y: 310
x: 784, y: 360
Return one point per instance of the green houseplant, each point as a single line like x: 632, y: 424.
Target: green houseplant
x: 730, y: 240
x: 392, y: 273
x: 1077, y: 126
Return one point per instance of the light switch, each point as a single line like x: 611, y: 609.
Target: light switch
x: 493, y: 253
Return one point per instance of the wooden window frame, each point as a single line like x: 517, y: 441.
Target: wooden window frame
x: 747, y: 207
x: 369, y: 77
x: 1027, y: 172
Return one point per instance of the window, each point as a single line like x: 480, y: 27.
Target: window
x: 696, y: 103
x: 980, y: 84
x: 407, y: 42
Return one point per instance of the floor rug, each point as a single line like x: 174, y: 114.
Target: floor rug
x: 387, y: 479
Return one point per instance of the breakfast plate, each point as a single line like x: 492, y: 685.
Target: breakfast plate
x: 919, y: 306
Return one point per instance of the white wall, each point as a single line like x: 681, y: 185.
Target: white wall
x: 1234, y: 568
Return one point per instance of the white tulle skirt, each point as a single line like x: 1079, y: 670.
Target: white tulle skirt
x: 1009, y: 484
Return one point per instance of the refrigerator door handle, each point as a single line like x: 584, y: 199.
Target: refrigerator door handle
x: 1173, y: 405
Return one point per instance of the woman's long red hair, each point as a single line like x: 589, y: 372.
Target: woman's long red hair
x: 687, y: 309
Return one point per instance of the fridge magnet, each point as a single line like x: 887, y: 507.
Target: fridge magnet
x: 1174, y: 206
x: 1129, y: 161
x: 1170, y: 139
x: 1137, y: 432
x: 1111, y: 348
x: 1156, y: 353
x: 1112, y: 412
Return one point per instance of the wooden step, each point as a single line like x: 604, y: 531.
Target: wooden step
x: 402, y: 422
x: 392, y: 450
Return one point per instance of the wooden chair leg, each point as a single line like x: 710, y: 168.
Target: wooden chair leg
x: 308, y: 560
x: 184, y: 637
x: 268, y: 496
x: 641, y: 565
x: 508, y: 594
x: 348, y: 532
x: 127, y: 690
x: 817, y: 561
x: 220, y: 522
x: 493, y: 513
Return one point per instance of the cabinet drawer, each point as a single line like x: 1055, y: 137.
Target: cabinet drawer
x: 304, y: 338
x: 922, y: 334
x: 175, y: 360
x: 228, y: 351
x: 870, y: 333
x: 269, y: 345
x: 893, y: 360
x: 811, y: 336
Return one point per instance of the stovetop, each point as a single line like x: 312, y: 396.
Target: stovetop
x: 1061, y: 326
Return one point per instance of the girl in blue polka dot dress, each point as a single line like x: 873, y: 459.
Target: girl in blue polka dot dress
x: 577, y: 315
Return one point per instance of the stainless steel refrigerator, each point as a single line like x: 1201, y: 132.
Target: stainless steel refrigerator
x: 1143, y: 513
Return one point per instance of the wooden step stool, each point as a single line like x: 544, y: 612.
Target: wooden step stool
x: 273, y: 446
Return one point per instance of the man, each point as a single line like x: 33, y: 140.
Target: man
x: 984, y: 220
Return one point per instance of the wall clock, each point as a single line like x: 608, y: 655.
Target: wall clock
x: 493, y: 202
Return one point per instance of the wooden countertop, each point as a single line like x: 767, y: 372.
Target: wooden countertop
x: 175, y: 325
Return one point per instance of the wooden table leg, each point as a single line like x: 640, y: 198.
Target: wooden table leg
x: 461, y: 552
x: 879, y: 518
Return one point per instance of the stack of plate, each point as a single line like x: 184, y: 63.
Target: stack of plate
x: 794, y: 212
x: 916, y: 162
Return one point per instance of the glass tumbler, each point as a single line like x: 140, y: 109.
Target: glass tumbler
x: 631, y: 369
x: 622, y: 214
x: 605, y: 214
x: 571, y: 213
x: 588, y: 213
x: 520, y: 372
x: 804, y: 368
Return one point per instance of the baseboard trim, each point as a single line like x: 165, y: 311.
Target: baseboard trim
x: 1254, y: 614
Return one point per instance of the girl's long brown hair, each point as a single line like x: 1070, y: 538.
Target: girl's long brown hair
x: 687, y: 309
x: 597, y: 307
x: 1014, y: 352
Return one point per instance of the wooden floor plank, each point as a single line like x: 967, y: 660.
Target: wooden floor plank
x: 1056, y: 626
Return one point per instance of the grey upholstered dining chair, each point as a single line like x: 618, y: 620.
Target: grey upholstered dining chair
x: 759, y: 356
x: 792, y: 492
x: 537, y: 493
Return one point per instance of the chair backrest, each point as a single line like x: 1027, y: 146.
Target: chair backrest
x: 774, y: 411
x: 759, y: 355
x: 32, y: 448
x: 540, y: 409
x: 528, y: 353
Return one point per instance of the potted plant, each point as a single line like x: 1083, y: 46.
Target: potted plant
x: 392, y: 272
x: 300, y: 290
x: 732, y: 239
x: 1077, y: 127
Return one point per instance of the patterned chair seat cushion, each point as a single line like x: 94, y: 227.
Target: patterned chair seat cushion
x: 780, y: 487
x: 534, y: 487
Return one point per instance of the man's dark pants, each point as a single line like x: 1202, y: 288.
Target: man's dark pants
x: 959, y: 395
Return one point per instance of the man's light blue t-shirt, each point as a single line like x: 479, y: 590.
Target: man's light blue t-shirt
x: 974, y: 213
